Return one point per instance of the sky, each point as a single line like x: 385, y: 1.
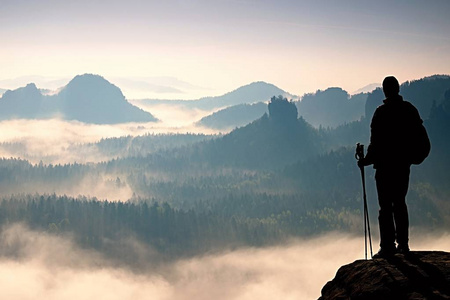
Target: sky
x: 186, y: 49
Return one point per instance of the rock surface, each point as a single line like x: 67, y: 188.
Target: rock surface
x: 418, y: 275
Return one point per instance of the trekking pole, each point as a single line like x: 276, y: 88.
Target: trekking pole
x: 360, y: 155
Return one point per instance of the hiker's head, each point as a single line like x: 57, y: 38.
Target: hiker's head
x: 390, y: 86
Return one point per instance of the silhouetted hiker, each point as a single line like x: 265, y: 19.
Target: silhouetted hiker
x: 393, y: 145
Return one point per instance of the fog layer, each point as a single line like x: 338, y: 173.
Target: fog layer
x: 36, y: 265
x: 54, y: 141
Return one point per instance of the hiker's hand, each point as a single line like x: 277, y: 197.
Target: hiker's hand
x: 361, y: 163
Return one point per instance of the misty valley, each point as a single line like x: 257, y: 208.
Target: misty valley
x: 253, y: 169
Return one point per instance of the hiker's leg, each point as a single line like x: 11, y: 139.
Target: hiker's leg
x: 385, y: 214
x: 400, y: 209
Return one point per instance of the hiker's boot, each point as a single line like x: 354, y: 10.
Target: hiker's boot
x: 403, y: 249
x: 385, y: 253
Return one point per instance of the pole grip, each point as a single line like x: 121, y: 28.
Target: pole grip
x: 359, y: 151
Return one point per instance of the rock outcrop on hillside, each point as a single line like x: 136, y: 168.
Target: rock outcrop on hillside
x: 419, y: 275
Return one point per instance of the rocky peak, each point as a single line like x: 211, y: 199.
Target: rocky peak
x: 418, y: 275
x: 30, y: 90
x: 92, y: 88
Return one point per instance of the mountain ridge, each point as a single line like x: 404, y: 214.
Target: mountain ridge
x: 234, y: 116
x: 258, y: 91
x: 328, y: 108
x: 422, y: 93
x: 331, y: 107
x: 87, y: 98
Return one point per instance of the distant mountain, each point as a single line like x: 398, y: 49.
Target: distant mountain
x: 367, y: 89
x: 86, y: 98
x: 422, y: 93
x: 51, y: 83
x: 2, y: 91
x: 234, y: 116
x: 26, y: 102
x: 248, y: 94
x: 92, y: 99
x: 332, y: 107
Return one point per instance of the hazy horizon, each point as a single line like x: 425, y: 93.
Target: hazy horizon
x: 204, y: 48
x: 169, y: 208
x: 153, y: 88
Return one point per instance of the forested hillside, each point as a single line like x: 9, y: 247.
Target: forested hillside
x: 332, y: 107
x: 234, y: 116
x: 423, y: 93
x: 183, y: 194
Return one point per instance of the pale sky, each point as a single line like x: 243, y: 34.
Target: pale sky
x: 208, y: 47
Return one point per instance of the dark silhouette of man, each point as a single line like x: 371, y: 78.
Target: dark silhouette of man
x: 393, y: 126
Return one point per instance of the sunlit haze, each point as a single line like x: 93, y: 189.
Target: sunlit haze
x: 112, y: 186
x: 292, y: 271
x: 188, y: 49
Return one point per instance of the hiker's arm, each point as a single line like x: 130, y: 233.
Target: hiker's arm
x: 374, y: 137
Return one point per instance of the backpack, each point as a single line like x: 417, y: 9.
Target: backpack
x: 420, y: 146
